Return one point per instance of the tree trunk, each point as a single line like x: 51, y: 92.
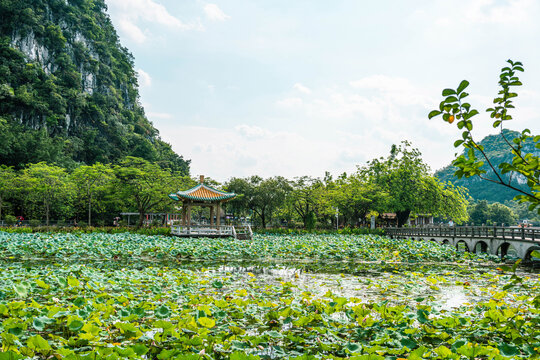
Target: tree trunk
x: 47, y: 212
x: 90, y: 209
x: 402, y: 217
x: 1, y: 205
x: 263, y: 219
x: 141, y: 218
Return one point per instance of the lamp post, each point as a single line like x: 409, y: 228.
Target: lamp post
x: 337, y: 218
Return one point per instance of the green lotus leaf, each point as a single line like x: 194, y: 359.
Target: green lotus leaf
x: 75, y: 325
x: 509, y: 349
x: 38, y: 324
x: 207, y: 322
x: 39, y: 344
x: 21, y: 290
x: 162, y: 312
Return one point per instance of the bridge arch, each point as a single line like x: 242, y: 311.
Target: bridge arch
x: 528, y: 252
x: 505, y: 248
x: 481, y: 246
x: 446, y: 242
x: 464, y: 243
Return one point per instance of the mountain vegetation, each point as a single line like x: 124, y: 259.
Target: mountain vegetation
x: 494, y: 147
x: 68, y: 89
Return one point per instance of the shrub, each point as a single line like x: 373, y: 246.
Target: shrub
x: 34, y: 223
x: 10, y: 219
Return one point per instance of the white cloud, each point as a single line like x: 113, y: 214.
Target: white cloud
x: 214, y: 13
x: 132, y: 31
x: 302, y: 88
x: 290, y: 102
x: 502, y: 12
x: 367, y: 116
x: 253, y: 132
x: 145, y: 79
x: 249, y: 150
x: 131, y: 16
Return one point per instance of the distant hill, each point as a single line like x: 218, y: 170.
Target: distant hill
x: 497, y: 150
x: 68, y: 89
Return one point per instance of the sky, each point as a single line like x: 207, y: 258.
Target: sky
x: 295, y: 88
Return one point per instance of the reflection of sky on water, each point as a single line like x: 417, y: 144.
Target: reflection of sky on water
x: 368, y: 286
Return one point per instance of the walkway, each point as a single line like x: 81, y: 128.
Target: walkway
x: 493, y: 239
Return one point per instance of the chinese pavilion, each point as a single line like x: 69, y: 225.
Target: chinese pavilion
x: 204, y: 196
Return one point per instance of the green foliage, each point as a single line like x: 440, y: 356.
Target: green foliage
x: 405, y: 178
x: 46, y: 185
x: 126, y: 245
x: 523, y: 164
x: 68, y: 89
x: 10, y: 219
x: 312, y: 310
x: 261, y: 197
x: 489, y: 214
x: 145, y: 184
x: 91, y: 182
x: 92, y: 192
x: 7, y: 185
x: 495, y: 148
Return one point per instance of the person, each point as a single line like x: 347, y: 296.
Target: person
x: 450, y: 223
x: 19, y: 220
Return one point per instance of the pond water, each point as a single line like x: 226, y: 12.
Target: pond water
x: 442, y: 286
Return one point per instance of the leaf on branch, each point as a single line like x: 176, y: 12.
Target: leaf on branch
x: 434, y: 113
x: 462, y: 86
x: 447, y: 92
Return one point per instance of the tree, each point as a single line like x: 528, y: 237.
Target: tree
x: 7, y: 181
x: 355, y: 198
x: 479, y: 212
x: 144, y: 183
x: 405, y: 177
x: 262, y: 196
x: 484, y: 213
x: 48, y: 185
x: 525, y: 165
x: 89, y: 180
x: 302, y: 198
x: 502, y: 214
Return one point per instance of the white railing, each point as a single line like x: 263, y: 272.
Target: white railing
x: 203, y: 230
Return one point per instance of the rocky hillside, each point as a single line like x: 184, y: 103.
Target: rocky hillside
x: 497, y: 150
x: 68, y: 89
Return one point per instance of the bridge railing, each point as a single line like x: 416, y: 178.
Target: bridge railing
x: 500, y: 232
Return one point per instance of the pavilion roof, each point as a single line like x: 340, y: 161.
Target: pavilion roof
x: 202, y: 192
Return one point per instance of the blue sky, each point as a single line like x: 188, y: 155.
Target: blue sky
x: 302, y: 87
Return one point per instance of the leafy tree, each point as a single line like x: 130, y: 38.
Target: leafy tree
x: 502, y: 214
x: 145, y: 184
x: 479, y: 212
x: 47, y: 185
x: 262, y: 196
x: 89, y: 180
x: 355, y: 198
x: 303, y: 196
x: 525, y: 165
x: 405, y: 177
x: 7, y: 183
x: 484, y: 213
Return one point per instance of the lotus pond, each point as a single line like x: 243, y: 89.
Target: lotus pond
x: 102, y: 296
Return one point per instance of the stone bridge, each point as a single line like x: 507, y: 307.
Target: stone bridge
x: 486, y: 239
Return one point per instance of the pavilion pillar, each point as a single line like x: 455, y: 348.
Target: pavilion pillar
x: 184, y: 214
x: 189, y: 216
x: 211, y: 215
x: 218, y: 217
